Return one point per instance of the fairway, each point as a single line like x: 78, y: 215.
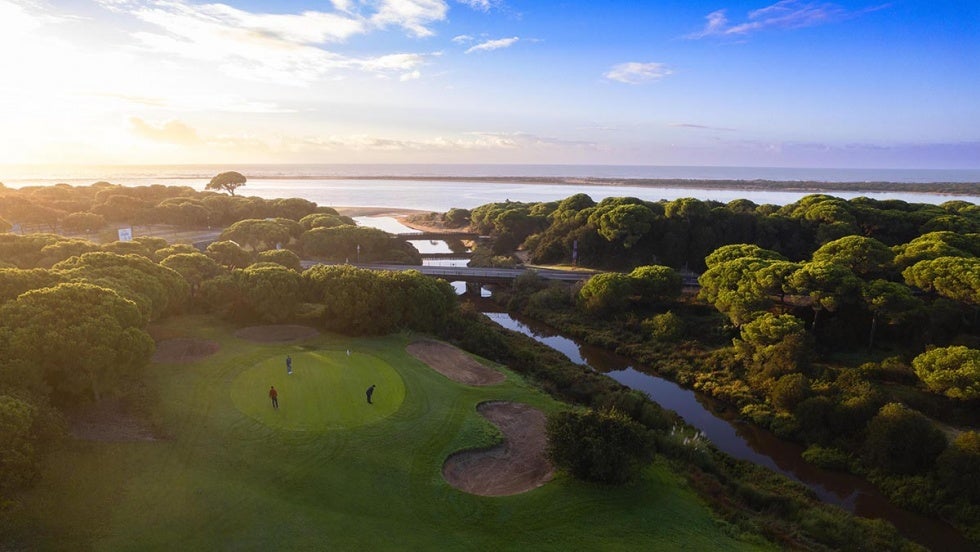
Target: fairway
x: 327, y: 471
x: 325, y: 391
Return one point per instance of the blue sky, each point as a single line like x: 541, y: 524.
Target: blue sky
x: 789, y: 83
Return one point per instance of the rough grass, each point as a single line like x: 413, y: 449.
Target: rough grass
x: 227, y: 480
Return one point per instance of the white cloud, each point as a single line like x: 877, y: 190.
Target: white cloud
x: 342, y: 5
x: 634, y: 72
x: 412, y: 15
x: 393, y: 62
x: 468, y: 141
x: 700, y: 127
x: 480, y: 5
x: 171, y: 132
x: 271, y: 47
x: 785, y: 14
x: 414, y: 75
x: 493, y: 45
x: 223, y: 103
x: 462, y: 39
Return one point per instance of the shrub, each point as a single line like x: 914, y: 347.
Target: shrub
x: 665, y: 327
x: 606, y: 447
x: 827, y: 458
x: 902, y: 441
x: 789, y: 391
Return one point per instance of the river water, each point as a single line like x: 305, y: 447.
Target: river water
x: 745, y: 441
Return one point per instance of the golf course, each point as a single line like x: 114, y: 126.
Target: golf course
x: 216, y: 467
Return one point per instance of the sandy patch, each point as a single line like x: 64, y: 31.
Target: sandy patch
x: 279, y: 333
x: 454, y: 363
x: 184, y: 349
x: 354, y: 211
x: 516, y: 466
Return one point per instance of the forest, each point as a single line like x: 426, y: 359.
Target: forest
x: 852, y: 327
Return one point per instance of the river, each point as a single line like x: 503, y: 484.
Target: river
x: 745, y: 441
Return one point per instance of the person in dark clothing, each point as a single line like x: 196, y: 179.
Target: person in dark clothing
x: 369, y: 392
x: 289, y: 365
x: 274, y: 395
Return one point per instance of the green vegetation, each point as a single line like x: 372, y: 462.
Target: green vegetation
x: 220, y: 478
x: 607, y: 447
x: 772, y: 332
x: 837, y: 321
x: 227, y: 181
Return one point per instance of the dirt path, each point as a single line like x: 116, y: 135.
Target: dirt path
x: 516, y: 466
x: 454, y: 363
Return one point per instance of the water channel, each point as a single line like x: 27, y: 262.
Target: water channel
x: 718, y: 422
x: 745, y: 441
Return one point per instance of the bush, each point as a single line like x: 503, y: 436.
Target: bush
x: 789, y: 391
x: 665, y: 327
x: 902, y: 441
x: 827, y: 458
x: 959, y: 466
x: 606, y: 447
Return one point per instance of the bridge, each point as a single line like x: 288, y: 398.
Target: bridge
x: 482, y: 276
x: 473, y: 275
x: 441, y: 236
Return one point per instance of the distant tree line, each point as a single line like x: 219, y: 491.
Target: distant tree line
x: 620, y: 233
x: 255, y: 224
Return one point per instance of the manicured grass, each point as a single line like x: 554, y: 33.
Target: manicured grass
x: 325, y: 391
x: 230, y: 476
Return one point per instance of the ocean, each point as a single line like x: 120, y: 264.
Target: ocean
x: 405, y: 186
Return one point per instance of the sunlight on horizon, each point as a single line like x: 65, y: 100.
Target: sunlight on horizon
x: 144, y: 82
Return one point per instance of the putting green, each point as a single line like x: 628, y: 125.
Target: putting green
x: 325, y: 391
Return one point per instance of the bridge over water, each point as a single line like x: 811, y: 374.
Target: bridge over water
x: 473, y: 275
x: 476, y: 275
x: 441, y: 236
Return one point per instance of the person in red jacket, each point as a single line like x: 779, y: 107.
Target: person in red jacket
x: 274, y: 395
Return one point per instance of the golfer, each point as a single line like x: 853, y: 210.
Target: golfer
x: 289, y: 365
x: 274, y: 395
x: 369, y: 392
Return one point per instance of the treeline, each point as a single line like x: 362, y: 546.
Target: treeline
x: 865, y: 348
x: 255, y: 224
x: 620, y: 233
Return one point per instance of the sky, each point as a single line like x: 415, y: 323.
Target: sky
x: 790, y: 83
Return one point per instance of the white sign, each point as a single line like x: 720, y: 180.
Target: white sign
x: 125, y: 234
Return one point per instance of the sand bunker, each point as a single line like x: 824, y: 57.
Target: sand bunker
x: 184, y: 349
x: 279, y: 333
x: 516, y: 466
x: 454, y: 363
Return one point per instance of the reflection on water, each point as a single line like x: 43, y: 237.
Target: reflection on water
x: 431, y: 246
x: 746, y: 441
x: 460, y: 287
x: 388, y: 224
x: 392, y: 226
